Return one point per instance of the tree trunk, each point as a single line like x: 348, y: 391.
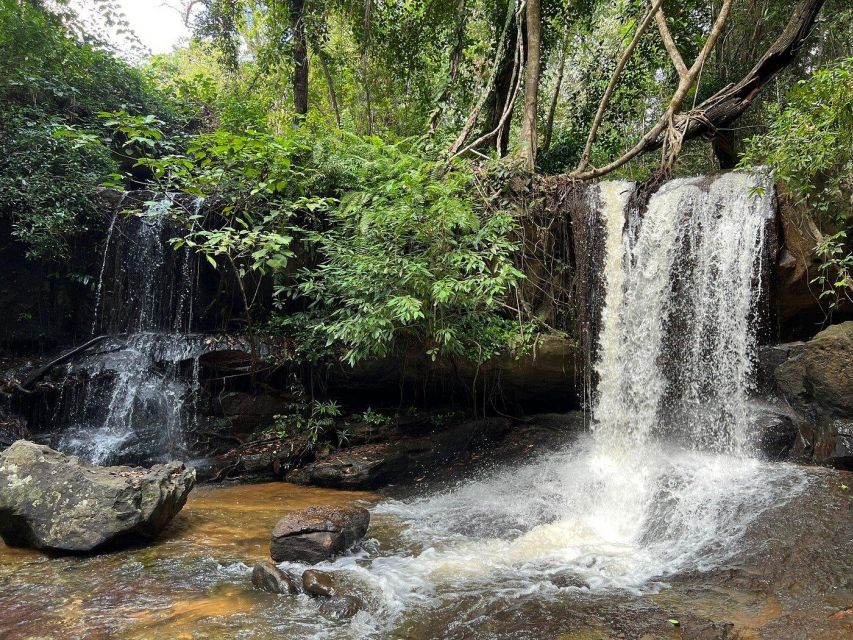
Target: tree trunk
x: 497, y: 103
x: 490, y: 91
x: 731, y: 102
x: 552, y: 110
x: 529, y: 132
x: 333, y: 96
x: 453, y: 69
x: 300, y: 58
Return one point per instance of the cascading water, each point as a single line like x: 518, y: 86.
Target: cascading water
x: 664, y: 483
x: 141, y: 386
x: 678, y: 326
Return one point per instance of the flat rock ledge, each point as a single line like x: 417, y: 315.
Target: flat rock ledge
x: 316, y: 534
x: 58, y: 503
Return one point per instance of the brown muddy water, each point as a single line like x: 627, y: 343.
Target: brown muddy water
x: 432, y: 569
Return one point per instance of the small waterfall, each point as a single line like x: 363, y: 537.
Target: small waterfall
x: 140, y: 389
x: 678, y: 324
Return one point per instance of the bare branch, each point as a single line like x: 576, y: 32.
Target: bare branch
x: 614, y: 80
x: 475, y: 112
x: 674, y: 105
x: 669, y: 44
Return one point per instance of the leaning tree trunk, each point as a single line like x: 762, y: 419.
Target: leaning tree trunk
x: 529, y: 132
x: 731, y: 102
x: 333, y: 96
x: 300, y: 58
x: 552, y: 110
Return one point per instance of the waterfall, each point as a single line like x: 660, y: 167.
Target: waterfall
x: 678, y: 326
x: 140, y: 389
x: 664, y: 484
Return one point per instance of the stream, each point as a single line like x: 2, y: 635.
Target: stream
x: 501, y: 557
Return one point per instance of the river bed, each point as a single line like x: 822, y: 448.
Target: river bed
x: 496, y: 557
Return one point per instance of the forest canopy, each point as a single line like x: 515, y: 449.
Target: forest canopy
x: 376, y: 161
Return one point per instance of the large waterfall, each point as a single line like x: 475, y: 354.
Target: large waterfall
x: 665, y: 483
x: 678, y: 324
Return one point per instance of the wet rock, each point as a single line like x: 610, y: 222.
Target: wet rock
x: 768, y: 357
x: 371, y: 466
x: 776, y: 430
x: 341, y: 607
x: 797, y: 305
x: 318, y: 533
x: 820, y: 371
x: 362, y: 467
x: 266, y: 576
x: 245, y: 411
x: 56, y: 502
x: 319, y: 583
x: 568, y: 580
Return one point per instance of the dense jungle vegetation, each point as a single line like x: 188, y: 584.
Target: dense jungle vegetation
x: 376, y: 160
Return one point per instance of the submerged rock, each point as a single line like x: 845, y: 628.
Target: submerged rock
x: 55, y: 502
x: 319, y: 583
x: 341, y: 607
x: 318, y: 533
x: 266, y: 576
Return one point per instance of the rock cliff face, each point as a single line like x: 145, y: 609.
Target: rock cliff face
x: 816, y: 379
x: 232, y: 398
x: 54, y: 502
x: 796, y: 303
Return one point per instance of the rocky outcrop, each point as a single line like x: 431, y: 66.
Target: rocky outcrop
x: 819, y: 372
x: 816, y: 379
x: 266, y: 576
x: 372, y: 465
x: 796, y: 301
x: 55, y: 502
x: 316, y: 534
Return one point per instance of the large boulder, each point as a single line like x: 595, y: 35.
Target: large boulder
x: 819, y: 372
x: 318, y: 533
x: 55, y: 502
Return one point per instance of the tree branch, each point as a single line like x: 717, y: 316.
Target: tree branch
x: 614, y: 80
x: 684, y: 85
x: 669, y: 44
x: 490, y: 85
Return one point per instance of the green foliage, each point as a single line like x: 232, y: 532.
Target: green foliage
x: 47, y: 183
x: 54, y: 149
x: 403, y: 256
x: 835, y: 274
x: 316, y: 424
x: 410, y: 258
x: 373, y: 418
x: 809, y: 142
x: 260, y: 182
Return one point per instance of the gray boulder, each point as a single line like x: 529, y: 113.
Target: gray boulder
x: 55, y: 502
x: 318, y: 533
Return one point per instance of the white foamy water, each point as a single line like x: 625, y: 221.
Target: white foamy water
x: 678, y: 339
x: 664, y: 484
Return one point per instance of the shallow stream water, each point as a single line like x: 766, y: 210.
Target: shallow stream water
x: 533, y: 553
